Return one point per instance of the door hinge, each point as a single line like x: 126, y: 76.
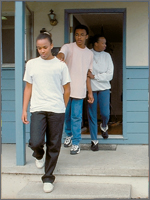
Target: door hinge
x: 71, y: 29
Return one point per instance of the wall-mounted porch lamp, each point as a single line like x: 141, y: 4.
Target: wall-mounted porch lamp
x: 52, y: 18
x: 4, y: 18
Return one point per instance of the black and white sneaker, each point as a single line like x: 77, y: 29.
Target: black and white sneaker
x: 104, y: 131
x: 75, y: 150
x: 94, y: 146
x: 104, y: 134
x: 68, y: 142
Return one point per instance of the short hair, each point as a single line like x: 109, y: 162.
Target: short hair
x: 95, y: 38
x: 44, y: 34
x: 81, y: 26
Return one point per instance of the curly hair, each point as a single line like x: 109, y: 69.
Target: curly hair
x: 95, y: 38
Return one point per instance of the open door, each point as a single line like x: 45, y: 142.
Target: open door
x: 112, y: 26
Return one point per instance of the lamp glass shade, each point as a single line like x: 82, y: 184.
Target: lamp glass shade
x: 52, y: 16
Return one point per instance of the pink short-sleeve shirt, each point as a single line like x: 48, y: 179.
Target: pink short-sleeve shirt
x: 79, y: 61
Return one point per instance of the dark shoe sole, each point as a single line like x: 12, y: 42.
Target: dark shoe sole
x: 74, y: 153
x: 105, y: 135
x: 66, y: 145
x: 94, y: 148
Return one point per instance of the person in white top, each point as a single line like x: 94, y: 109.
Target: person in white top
x: 101, y: 76
x: 48, y: 86
x: 79, y: 60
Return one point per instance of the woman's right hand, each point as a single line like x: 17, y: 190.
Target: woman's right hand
x: 24, y: 117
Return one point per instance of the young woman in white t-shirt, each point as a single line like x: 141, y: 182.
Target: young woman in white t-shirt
x: 48, y: 87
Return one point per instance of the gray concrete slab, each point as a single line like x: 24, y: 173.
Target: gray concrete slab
x: 113, y: 164
x: 123, y: 160
x: 34, y: 190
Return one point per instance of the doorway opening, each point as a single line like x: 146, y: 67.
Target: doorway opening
x: 111, y: 25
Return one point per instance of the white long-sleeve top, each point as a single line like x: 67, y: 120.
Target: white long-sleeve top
x: 103, y: 70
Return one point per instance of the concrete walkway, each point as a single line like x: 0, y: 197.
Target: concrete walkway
x: 115, y: 171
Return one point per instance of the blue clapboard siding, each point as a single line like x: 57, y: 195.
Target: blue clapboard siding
x: 135, y: 73
x: 8, y: 106
x: 8, y: 132
x: 137, y: 138
x: 137, y: 106
x: 137, y: 84
x: 137, y: 95
x: 137, y: 128
x: 8, y: 84
x: 8, y: 74
x: 135, y: 116
x: 8, y: 116
x: 8, y: 95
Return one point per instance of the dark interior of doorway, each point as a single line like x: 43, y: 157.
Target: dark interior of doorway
x: 111, y: 25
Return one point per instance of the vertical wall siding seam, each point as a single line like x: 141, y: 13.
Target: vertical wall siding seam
x: 19, y: 66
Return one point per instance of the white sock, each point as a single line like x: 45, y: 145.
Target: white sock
x: 95, y: 142
x: 104, y: 128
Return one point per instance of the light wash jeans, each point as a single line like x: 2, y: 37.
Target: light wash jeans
x: 103, y: 99
x: 73, y: 119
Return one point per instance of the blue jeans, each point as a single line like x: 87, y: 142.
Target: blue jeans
x: 73, y: 119
x: 103, y: 99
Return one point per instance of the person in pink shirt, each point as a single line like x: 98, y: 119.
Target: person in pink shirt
x: 79, y: 60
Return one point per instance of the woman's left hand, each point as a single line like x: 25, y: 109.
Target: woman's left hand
x: 90, y: 98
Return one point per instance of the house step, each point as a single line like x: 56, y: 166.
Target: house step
x: 78, y: 190
x: 111, y: 160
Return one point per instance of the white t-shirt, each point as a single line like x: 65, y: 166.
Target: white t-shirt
x: 78, y: 61
x: 47, y: 78
x: 103, y: 70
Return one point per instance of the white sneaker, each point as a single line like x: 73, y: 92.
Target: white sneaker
x: 48, y: 187
x: 39, y: 163
x: 68, y: 142
x: 74, y: 150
